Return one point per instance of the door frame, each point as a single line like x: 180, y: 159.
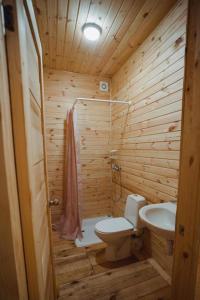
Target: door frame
x: 187, y: 239
x: 18, y: 81
x: 13, y: 281
x: 187, y: 242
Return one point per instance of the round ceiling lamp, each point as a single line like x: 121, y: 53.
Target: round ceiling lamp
x: 91, y: 31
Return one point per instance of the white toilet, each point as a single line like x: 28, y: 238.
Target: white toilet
x: 116, y: 232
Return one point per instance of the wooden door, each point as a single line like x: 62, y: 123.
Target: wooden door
x: 13, y: 283
x: 187, y: 241
x: 26, y: 87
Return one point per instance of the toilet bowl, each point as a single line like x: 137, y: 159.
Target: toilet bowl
x: 117, y: 232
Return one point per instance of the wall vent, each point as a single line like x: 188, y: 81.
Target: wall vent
x: 103, y: 86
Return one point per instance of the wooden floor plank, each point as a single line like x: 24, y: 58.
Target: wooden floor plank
x: 69, y: 255
x: 161, y: 294
x: 83, y: 273
x: 142, y: 289
x: 111, y: 282
x: 100, y: 264
x: 73, y: 271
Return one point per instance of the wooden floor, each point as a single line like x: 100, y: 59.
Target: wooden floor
x: 83, y: 274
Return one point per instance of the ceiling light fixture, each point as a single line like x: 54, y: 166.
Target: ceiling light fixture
x: 91, y: 31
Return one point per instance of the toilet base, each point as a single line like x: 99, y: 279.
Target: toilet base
x: 121, y: 249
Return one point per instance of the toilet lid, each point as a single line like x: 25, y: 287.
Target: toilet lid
x: 112, y: 225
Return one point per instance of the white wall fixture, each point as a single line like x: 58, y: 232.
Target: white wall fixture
x: 103, y: 86
x: 160, y: 218
x: 91, y: 31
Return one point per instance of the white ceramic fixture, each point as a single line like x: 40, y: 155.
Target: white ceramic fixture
x: 160, y: 218
x: 91, y: 31
x: 117, y: 232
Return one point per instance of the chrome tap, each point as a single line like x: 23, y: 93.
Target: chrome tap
x: 116, y: 167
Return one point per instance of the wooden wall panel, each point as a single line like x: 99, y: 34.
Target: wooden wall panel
x: 61, y: 90
x: 147, y: 134
x: 197, y: 288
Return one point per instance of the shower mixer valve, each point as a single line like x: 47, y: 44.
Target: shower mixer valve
x: 54, y: 202
x: 116, y: 167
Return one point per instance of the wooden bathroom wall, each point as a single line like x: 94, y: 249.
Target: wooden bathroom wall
x: 197, y: 289
x: 148, y: 134
x: 61, y: 90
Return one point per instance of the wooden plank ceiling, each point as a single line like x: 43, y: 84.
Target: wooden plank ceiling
x: 125, y: 24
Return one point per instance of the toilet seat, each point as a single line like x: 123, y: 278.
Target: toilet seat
x: 117, y: 232
x: 114, y: 225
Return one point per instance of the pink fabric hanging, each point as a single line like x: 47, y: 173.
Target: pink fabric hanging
x: 70, y: 224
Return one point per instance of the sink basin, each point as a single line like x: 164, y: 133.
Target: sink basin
x: 160, y: 218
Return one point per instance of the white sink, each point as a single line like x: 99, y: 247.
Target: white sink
x: 160, y: 218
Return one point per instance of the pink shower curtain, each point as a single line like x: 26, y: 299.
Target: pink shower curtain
x: 70, y: 224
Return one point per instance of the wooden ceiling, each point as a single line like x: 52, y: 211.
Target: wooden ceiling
x: 125, y: 24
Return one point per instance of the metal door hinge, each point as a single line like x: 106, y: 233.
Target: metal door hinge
x: 7, y: 17
x: 2, y: 18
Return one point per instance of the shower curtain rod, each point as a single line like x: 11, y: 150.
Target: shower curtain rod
x: 101, y: 100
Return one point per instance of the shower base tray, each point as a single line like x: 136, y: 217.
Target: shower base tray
x: 89, y: 236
